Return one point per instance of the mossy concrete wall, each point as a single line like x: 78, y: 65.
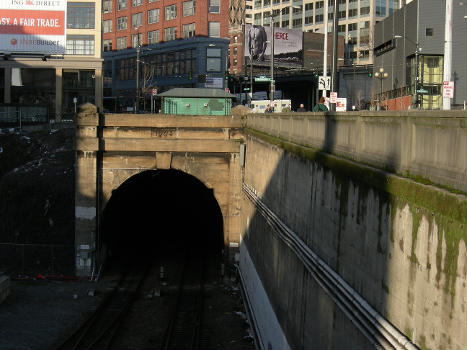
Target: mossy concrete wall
x: 425, y: 145
x: 400, y: 244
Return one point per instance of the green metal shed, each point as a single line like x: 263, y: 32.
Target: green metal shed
x: 196, y: 101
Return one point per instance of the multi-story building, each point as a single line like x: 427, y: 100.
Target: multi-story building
x: 50, y: 82
x: 357, y: 19
x: 180, y: 44
x: 409, y: 47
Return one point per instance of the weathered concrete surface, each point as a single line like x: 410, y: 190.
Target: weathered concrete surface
x: 113, y: 148
x: 4, y: 287
x: 430, y: 144
x: 399, y: 244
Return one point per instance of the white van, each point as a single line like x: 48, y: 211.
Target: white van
x: 259, y: 106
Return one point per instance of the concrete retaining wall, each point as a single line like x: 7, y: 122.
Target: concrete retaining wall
x: 400, y: 245
x: 4, y: 287
x: 428, y: 144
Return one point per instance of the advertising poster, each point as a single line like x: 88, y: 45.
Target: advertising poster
x: 33, y: 26
x: 288, y: 45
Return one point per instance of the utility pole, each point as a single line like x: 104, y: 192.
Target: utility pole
x: 271, y: 85
x: 325, y: 49
x: 447, y: 50
x: 334, y: 54
x: 138, y: 48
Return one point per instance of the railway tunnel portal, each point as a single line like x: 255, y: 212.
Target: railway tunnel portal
x: 158, y: 212
x: 141, y: 173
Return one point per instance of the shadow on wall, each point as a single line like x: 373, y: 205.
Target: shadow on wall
x: 398, y: 244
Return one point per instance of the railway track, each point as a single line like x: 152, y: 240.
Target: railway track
x: 184, y: 330
x: 99, y: 330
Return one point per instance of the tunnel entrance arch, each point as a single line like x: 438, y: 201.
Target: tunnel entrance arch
x: 111, y: 149
x: 159, y: 211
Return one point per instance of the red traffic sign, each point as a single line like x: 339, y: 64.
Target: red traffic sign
x: 154, y: 92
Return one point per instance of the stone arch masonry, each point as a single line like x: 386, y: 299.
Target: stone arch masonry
x: 112, y: 148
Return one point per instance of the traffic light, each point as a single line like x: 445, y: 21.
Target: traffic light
x: 190, y: 75
x: 370, y: 74
x: 226, y: 75
x: 316, y: 75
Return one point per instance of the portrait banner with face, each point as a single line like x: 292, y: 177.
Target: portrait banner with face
x: 288, y: 45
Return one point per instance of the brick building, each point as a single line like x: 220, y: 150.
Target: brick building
x: 127, y: 22
x: 179, y: 43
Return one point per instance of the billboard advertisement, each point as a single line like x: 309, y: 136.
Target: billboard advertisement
x: 288, y: 45
x: 33, y: 26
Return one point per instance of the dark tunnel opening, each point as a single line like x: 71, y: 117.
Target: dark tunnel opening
x: 161, y: 212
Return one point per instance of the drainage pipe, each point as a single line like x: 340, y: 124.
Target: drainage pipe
x: 374, y: 326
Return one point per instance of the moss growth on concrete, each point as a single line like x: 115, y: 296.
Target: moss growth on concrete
x: 447, y: 210
x: 439, y: 201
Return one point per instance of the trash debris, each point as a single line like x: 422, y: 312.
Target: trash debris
x: 241, y: 314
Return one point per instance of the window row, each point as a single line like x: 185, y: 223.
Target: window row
x: 188, y: 6
x: 188, y: 31
x: 167, y: 64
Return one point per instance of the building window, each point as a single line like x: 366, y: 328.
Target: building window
x: 235, y: 50
x: 235, y: 39
x: 188, y: 30
x: 80, y: 15
x: 364, y: 11
x: 428, y: 31
x: 137, y: 19
x: 353, y: 13
x: 214, y: 29
x: 107, y: 6
x: 149, y: 1
x: 107, y: 26
x: 188, y: 8
x: 121, y: 23
x: 137, y: 40
x: 297, y: 23
x: 121, y: 43
x: 80, y: 45
x: 107, y: 45
x: 215, y: 6
x: 121, y: 4
x: 213, y: 60
x: 170, y: 33
x: 285, y: 23
x: 153, y: 37
x: 381, y: 8
x: 319, y: 18
x: 257, y: 19
x: 170, y: 12
x: 153, y: 16
x: 364, y: 33
x: 135, y: 3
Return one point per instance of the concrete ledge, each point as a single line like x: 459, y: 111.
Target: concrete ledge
x: 172, y: 121
x: 4, y: 287
x: 427, y: 145
x: 140, y: 144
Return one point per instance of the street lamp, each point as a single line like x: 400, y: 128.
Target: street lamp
x: 138, y: 49
x: 381, y: 74
x: 272, y: 84
x: 417, y: 52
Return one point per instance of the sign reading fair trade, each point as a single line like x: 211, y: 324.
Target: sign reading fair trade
x: 33, y: 26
